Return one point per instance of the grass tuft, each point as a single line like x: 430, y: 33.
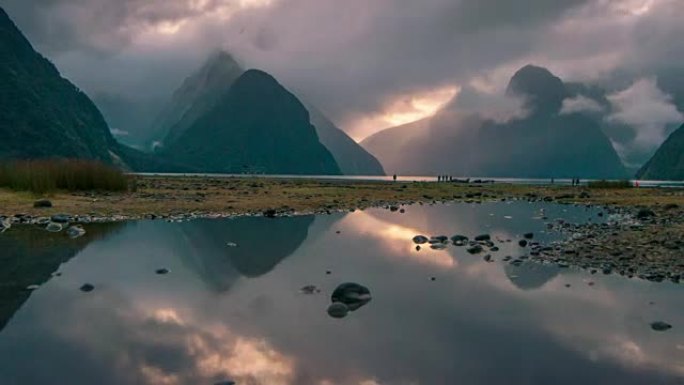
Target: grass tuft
x: 43, y: 176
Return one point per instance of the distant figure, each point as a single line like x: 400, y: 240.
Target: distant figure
x: 552, y: 181
x: 394, y: 177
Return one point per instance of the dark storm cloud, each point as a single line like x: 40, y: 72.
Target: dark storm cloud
x: 354, y: 58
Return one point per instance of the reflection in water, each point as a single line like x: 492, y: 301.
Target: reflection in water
x: 258, y: 245
x: 530, y: 275
x: 471, y: 325
x: 29, y: 256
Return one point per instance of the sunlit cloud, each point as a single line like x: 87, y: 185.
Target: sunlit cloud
x: 397, y: 239
x: 403, y: 109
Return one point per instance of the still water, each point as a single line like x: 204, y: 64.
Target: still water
x: 237, y: 313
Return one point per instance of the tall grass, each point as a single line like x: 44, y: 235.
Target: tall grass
x: 42, y: 176
x: 610, y: 184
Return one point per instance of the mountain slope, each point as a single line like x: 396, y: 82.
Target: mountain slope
x: 196, y: 96
x: 668, y: 161
x: 546, y: 143
x: 350, y: 156
x: 42, y: 114
x: 203, y: 89
x: 257, y: 126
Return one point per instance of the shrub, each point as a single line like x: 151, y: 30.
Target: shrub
x: 41, y: 176
x: 610, y: 184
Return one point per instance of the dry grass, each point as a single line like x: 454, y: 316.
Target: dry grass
x: 177, y: 195
x: 44, y: 176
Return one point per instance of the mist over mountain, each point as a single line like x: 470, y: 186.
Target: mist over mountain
x: 668, y: 161
x: 257, y: 126
x: 547, y: 142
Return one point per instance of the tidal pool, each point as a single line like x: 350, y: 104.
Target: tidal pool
x: 211, y: 301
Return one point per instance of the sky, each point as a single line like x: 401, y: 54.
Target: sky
x: 373, y: 64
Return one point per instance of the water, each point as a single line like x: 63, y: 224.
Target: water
x: 418, y: 178
x: 238, y: 313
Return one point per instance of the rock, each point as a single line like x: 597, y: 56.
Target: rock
x: 438, y: 239
x: 87, y: 288
x: 417, y: 247
x: 474, y: 249
x: 394, y: 208
x: 487, y: 258
x: 232, y: 244
x: 61, y: 218
x: 162, y: 271
x: 310, y: 289
x: 42, y: 204
x: 32, y: 287
x: 528, y: 235
x: 483, y: 237
x: 270, y: 213
x: 459, y: 239
x: 660, y: 326
x: 338, y: 310
x: 522, y: 243
x: 5, y: 224
x: 420, y: 239
x: 54, y: 227
x: 438, y: 246
x: 645, y: 213
x: 351, y: 294
x: 75, y: 232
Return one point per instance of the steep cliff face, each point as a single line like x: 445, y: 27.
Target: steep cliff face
x: 42, y: 114
x: 668, y: 161
x: 257, y: 126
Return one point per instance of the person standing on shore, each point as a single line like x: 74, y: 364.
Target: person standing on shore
x: 394, y: 177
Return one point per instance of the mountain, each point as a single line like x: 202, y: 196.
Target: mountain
x: 256, y: 126
x: 350, y: 156
x: 545, y: 143
x: 668, y: 161
x: 41, y: 113
x: 195, y: 97
x: 202, y: 90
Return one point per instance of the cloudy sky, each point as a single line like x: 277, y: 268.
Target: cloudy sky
x: 371, y: 64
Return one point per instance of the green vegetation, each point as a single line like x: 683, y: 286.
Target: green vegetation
x: 42, y: 176
x: 610, y: 184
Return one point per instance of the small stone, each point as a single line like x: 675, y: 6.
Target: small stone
x: 474, y: 249
x: 483, y: 237
x: 75, y: 232
x: 417, y: 247
x: 232, y: 244
x: 528, y: 235
x: 660, y: 326
x: 162, y: 271
x: 32, y: 287
x: 420, y: 239
x: 328, y: 272
x: 338, y: 310
x: 87, y: 288
x: 54, y: 227
x: 522, y: 243
x: 310, y: 289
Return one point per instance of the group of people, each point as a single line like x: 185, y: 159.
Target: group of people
x: 445, y: 178
x: 575, y: 182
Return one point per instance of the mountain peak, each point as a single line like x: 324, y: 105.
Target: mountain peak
x: 543, y: 91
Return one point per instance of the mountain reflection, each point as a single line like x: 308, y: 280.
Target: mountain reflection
x: 29, y: 256
x: 221, y: 251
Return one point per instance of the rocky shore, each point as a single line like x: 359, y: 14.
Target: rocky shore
x: 640, y: 233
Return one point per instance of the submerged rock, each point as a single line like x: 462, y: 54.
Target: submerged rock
x: 528, y: 235
x: 309, y: 289
x: 438, y: 239
x: 474, y: 249
x: 338, y: 310
x: 61, y: 218
x: 483, y: 237
x: 54, y: 227
x: 660, y: 326
x: 75, y: 232
x: 87, y: 288
x: 5, y: 224
x: 459, y: 239
x: 162, y: 271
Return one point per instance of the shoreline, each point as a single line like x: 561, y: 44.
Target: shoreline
x: 648, y: 242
